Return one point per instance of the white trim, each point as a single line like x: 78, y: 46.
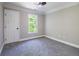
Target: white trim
x: 60, y: 8
x: 1, y: 48
x: 29, y: 38
x: 65, y: 42
x: 32, y: 32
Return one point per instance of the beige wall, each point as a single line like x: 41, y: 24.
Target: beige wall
x: 1, y: 27
x: 24, y: 21
x: 64, y: 25
x: 24, y: 25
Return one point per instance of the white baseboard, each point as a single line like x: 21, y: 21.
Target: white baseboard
x: 65, y: 42
x: 1, y: 48
x: 29, y: 38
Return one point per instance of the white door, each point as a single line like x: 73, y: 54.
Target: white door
x: 11, y: 26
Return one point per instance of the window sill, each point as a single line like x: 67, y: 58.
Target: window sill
x: 32, y: 32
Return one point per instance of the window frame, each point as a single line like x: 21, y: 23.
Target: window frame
x: 36, y: 23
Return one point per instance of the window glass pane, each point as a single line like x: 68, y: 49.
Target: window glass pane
x: 32, y: 26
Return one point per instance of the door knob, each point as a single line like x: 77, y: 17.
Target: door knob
x: 17, y: 28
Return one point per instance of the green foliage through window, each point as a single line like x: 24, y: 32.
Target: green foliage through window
x: 32, y: 24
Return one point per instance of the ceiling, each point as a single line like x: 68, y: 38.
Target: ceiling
x: 49, y: 7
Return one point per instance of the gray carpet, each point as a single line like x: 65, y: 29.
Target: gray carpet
x: 39, y: 47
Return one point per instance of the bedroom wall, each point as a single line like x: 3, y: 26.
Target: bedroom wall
x: 24, y: 21
x: 64, y: 25
x: 1, y: 27
x: 24, y: 26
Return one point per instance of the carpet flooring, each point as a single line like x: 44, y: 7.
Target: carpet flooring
x: 39, y: 47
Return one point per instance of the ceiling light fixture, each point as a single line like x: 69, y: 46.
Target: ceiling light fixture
x: 42, y: 3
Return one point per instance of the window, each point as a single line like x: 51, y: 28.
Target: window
x: 32, y: 23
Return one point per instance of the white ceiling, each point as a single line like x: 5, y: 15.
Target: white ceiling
x: 49, y: 7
